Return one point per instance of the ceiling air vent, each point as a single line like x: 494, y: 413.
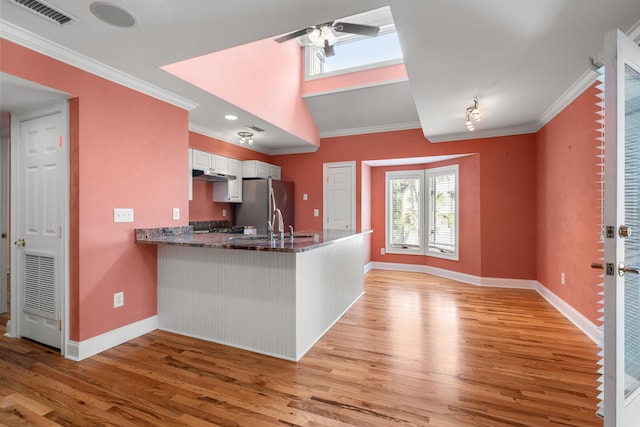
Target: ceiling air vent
x: 47, y: 11
x: 255, y: 128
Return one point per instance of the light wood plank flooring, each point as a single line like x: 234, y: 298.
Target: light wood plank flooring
x: 415, y: 350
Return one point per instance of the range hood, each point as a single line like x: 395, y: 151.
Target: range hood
x: 211, y: 176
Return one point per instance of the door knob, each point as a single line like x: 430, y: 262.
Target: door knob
x: 624, y: 231
x: 4, y: 235
x: 20, y: 242
x: 622, y: 269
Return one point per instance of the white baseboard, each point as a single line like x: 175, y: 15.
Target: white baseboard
x: 585, y: 325
x: 81, y: 350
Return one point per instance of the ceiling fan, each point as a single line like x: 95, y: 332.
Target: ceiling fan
x: 323, y: 35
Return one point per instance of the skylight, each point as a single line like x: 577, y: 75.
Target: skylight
x: 364, y: 51
x: 357, y: 52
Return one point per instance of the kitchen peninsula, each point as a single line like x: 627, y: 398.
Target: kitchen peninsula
x: 276, y: 297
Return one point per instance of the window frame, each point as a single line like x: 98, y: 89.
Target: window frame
x: 426, y: 205
x: 389, y: 247
x: 429, y: 175
x: 310, y: 56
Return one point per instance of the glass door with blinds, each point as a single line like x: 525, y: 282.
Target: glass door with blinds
x: 621, y: 377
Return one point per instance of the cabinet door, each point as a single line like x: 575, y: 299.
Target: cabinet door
x: 201, y: 160
x: 235, y: 185
x: 275, y: 172
x: 262, y: 170
x: 219, y: 164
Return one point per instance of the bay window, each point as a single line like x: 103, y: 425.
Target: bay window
x: 422, y: 212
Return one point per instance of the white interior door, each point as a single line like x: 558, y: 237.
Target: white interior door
x: 621, y: 214
x: 41, y: 194
x: 339, y: 195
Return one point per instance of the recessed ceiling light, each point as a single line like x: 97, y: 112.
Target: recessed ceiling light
x: 231, y: 117
x: 112, y: 14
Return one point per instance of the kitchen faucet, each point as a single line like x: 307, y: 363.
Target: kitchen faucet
x: 278, y: 215
x: 270, y: 230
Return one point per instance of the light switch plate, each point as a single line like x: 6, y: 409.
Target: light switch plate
x: 122, y: 214
x: 176, y: 214
x: 316, y: 212
x: 118, y: 299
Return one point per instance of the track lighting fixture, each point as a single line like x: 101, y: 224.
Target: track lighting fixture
x: 472, y: 112
x: 246, y: 137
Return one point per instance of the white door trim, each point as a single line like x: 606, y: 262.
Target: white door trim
x: 4, y: 267
x: 62, y: 107
x: 325, y: 195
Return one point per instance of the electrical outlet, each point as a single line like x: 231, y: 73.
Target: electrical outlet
x: 382, y: 251
x: 562, y: 281
x: 118, y: 299
x: 316, y: 212
x: 224, y: 212
x: 176, y: 214
x: 305, y: 196
x: 122, y: 214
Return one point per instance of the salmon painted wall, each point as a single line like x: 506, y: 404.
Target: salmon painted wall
x: 273, y: 92
x: 119, y: 139
x: 568, y: 208
x: 202, y: 207
x: 506, y: 180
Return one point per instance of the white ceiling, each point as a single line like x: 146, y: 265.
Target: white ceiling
x: 523, y: 61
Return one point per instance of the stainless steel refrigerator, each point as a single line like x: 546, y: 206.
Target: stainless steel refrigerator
x: 258, y: 207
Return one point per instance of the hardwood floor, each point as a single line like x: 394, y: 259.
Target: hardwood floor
x: 415, y: 350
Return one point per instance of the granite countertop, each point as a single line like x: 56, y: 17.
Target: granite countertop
x: 184, y: 236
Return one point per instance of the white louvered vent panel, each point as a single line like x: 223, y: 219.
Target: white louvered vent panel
x: 39, y: 286
x: 48, y: 12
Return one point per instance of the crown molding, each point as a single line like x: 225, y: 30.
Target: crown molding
x: 370, y: 129
x: 18, y: 35
x: 490, y: 133
x: 582, y: 84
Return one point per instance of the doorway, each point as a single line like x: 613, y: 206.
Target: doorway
x: 339, y: 198
x: 27, y: 106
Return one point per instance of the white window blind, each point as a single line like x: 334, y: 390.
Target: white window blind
x: 405, y: 209
x: 443, y: 201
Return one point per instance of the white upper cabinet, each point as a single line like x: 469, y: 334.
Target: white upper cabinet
x: 258, y: 169
x: 219, y: 164
x: 201, y: 160
x: 230, y: 191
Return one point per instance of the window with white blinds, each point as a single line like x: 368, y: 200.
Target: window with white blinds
x: 442, y: 239
x: 404, y: 201
x: 422, y: 212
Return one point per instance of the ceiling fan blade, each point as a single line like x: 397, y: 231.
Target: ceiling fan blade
x: 328, y: 49
x: 363, y: 30
x: 294, y: 34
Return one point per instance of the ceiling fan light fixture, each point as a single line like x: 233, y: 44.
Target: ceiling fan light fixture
x: 327, y: 36
x: 314, y: 35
